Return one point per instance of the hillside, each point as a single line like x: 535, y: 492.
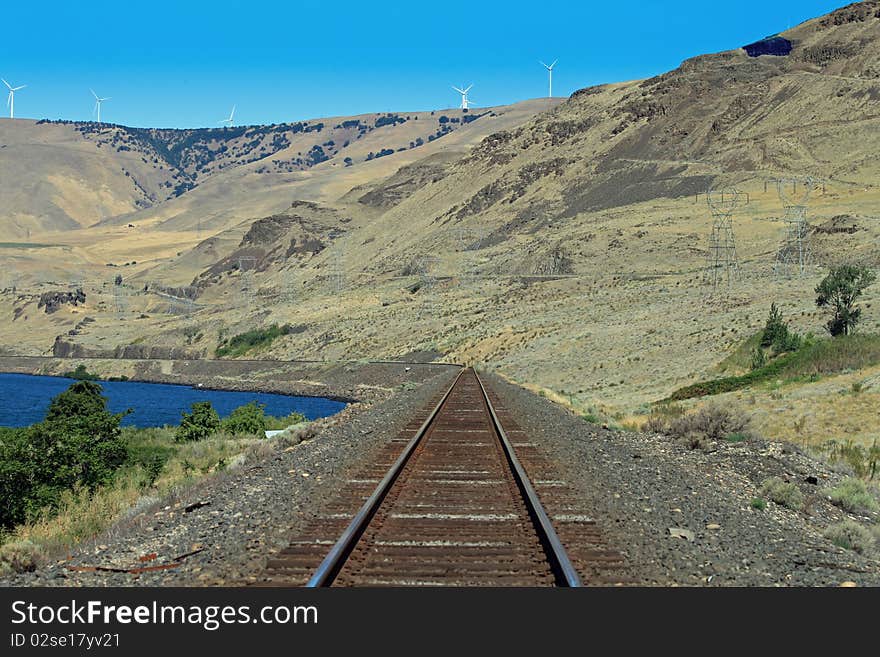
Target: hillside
x: 564, y: 248
x: 80, y: 174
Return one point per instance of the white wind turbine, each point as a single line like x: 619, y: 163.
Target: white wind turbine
x: 229, y: 120
x: 98, y: 102
x: 11, y: 99
x: 550, y: 71
x: 465, y: 103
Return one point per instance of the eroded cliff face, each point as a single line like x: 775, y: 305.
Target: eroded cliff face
x: 66, y: 349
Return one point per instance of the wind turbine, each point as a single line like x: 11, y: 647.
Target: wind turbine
x: 229, y: 120
x: 550, y: 70
x: 11, y: 99
x: 98, y: 102
x: 465, y: 103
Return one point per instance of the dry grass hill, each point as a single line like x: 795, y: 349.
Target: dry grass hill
x: 80, y: 174
x: 562, y: 244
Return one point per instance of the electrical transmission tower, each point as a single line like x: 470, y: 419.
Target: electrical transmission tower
x: 247, y: 265
x: 722, y: 264
x: 794, y: 255
x: 470, y: 240
x: 288, y: 286
x: 181, y: 305
x: 119, y: 301
x: 337, y: 270
x: 426, y: 267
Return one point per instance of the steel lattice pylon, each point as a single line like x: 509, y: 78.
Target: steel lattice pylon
x: 722, y: 265
x: 427, y: 266
x: 119, y: 301
x: 246, y: 267
x: 794, y: 253
x: 470, y: 241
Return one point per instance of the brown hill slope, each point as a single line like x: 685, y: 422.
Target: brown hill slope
x: 64, y: 175
x: 567, y: 251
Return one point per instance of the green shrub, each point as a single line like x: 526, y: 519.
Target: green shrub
x: 850, y: 536
x: 758, y: 503
x: 201, y: 423
x: 853, y: 495
x: 151, y: 456
x: 18, y: 557
x: 736, y: 437
x: 838, y: 292
x: 710, y: 423
x: 759, y: 359
x: 811, y: 360
x: 775, y: 329
x: 783, y: 493
x: 81, y: 374
x: 277, y: 423
x: 863, y: 461
x: 247, y: 419
x: 254, y: 339
x: 78, y: 444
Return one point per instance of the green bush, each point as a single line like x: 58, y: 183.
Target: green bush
x: 711, y: 423
x: 78, y: 444
x: 838, y: 292
x: 758, y: 503
x: 247, y: 419
x: 18, y: 557
x: 150, y: 455
x: 853, y: 495
x: 201, y: 423
x: 278, y: 423
x: 759, y: 359
x: 591, y: 417
x: 863, y: 461
x: 850, y: 536
x: 813, y: 358
x: 783, y: 493
x: 81, y: 374
x: 775, y: 329
x: 254, y: 339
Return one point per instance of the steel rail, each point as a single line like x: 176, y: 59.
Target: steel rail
x: 333, y: 562
x: 565, y: 572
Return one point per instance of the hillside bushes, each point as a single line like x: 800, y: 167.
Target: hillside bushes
x: 254, y: 339
x: 813, y: 358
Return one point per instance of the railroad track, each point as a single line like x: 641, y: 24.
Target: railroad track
x: 449, y: 502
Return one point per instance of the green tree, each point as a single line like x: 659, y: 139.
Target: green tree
x: 81, y: 373
x: 80, y: 437
x: 250, y: 419
x: 79, y: 443
x: 201, y: 423
x: 777, y: 334
x: 774, y: 329
x: 838, y: 292
x: 16, y: 477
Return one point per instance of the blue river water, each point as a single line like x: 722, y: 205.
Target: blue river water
x: 24, y: 399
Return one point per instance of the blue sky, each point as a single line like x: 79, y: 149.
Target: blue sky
x: 184, y: 64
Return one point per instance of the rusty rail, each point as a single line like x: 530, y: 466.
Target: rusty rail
x: 339, y: 552
x: 532, y: 542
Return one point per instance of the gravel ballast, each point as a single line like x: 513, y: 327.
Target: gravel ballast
x: 679, y: 516
x: 684, y: 516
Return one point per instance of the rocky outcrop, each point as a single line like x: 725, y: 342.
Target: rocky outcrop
x: 53, y: 301
x: 66, y: 349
